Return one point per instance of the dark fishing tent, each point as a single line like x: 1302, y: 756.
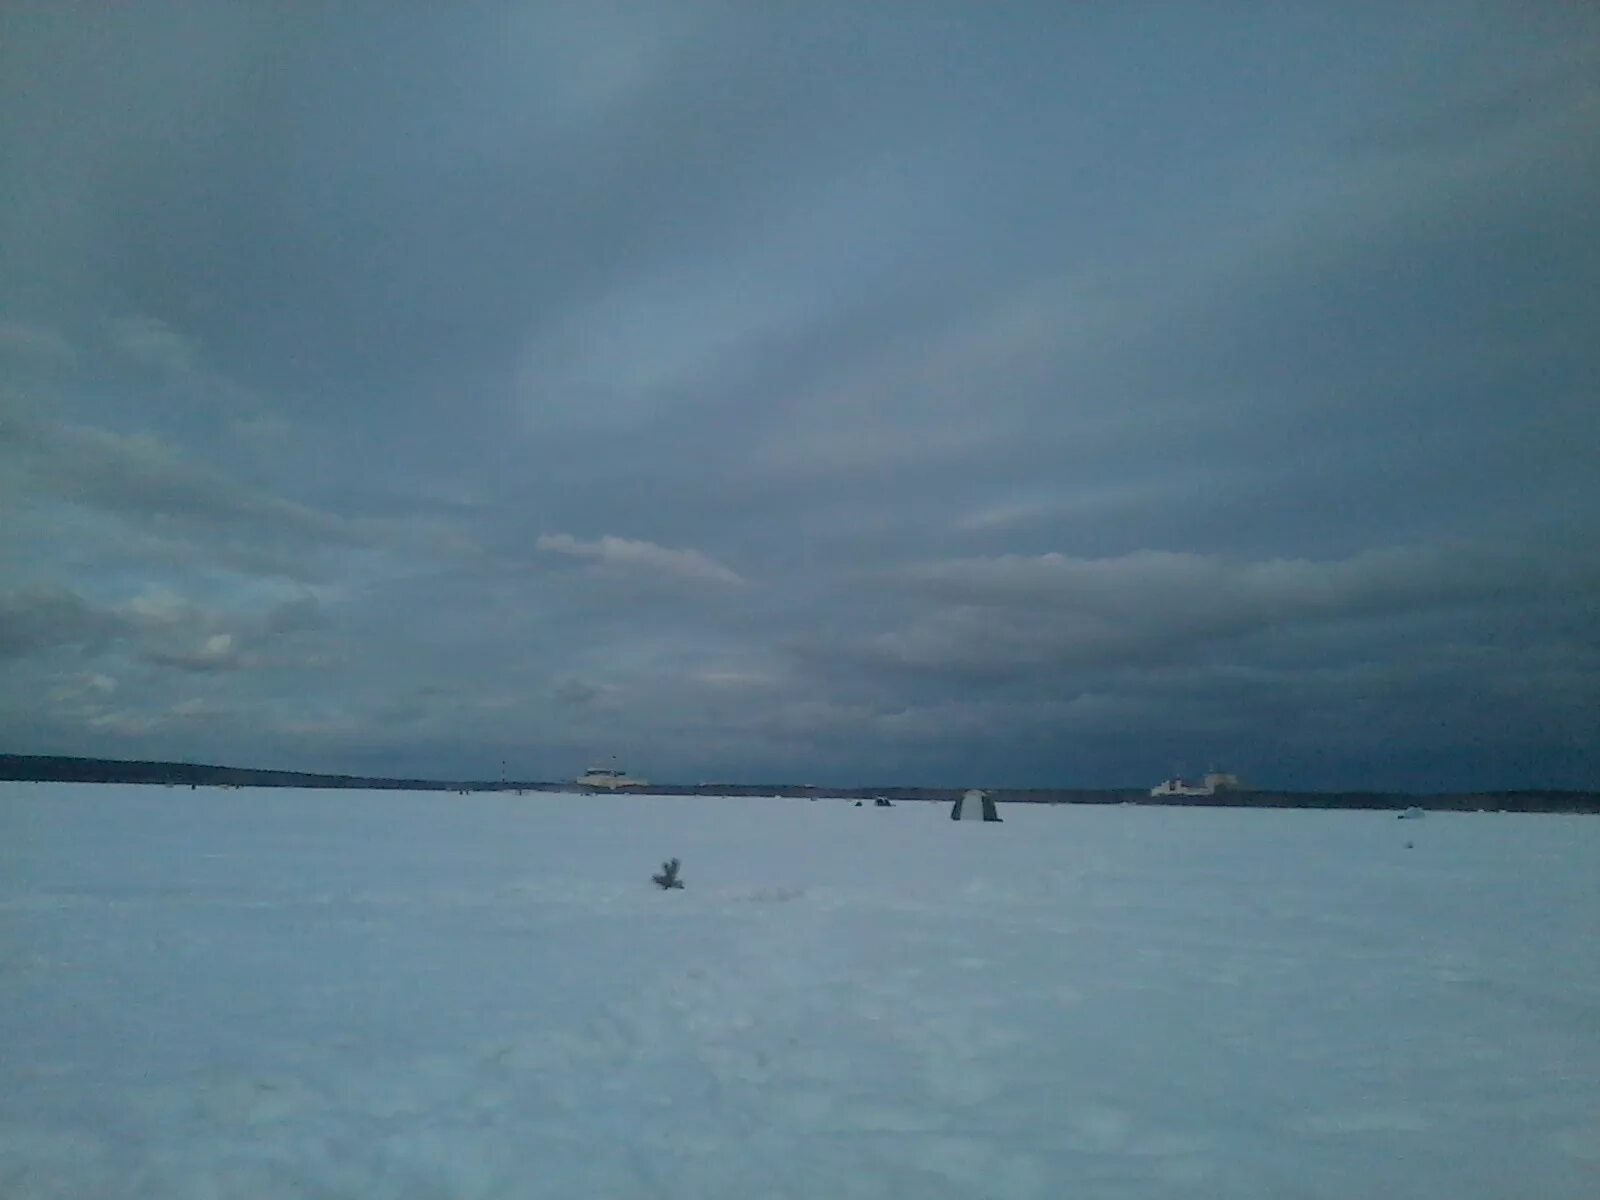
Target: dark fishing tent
x: 976, y: 805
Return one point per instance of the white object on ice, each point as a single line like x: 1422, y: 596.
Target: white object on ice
x: 608, y: 778
x: 1215, y: 781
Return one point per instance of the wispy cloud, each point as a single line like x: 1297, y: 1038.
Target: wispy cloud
x: 35, y: 346
x: 152, y: 343
x: 627, y: 554
x: 1037, y: 614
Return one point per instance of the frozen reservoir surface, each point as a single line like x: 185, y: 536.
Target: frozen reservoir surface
x: 263, y: 994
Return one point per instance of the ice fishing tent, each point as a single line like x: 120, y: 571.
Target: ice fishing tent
x: 976, y: 805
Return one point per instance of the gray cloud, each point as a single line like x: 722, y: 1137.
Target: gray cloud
x: 1036, y: 613
x: 174, y: 507
x: 1038, y: 396
x: 42, y: 617
x: 140, y: 475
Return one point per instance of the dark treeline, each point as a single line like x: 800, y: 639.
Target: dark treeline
x: 52, y: 768
x: 48, y: 768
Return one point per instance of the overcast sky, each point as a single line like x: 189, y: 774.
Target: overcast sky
x: 907, y: 393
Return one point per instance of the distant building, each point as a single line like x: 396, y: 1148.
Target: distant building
x: 606, y: 779
x: 1214, y: 782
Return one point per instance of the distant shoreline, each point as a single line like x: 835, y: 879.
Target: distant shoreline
x: 33, y: 768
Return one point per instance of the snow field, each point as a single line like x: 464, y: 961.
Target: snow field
x: 231, y: 994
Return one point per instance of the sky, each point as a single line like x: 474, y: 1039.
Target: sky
x: 1010, y: 395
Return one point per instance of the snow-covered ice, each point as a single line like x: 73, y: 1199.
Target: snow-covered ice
x: 263, y: 994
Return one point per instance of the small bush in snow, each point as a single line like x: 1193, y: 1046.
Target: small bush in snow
x: 668, y: 879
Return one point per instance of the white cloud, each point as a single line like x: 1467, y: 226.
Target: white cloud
x: 161, y: 607
x: 628, y: 554
x: 215, y: 652
x: 153, y: 343
x: 174, y: 631
x: 34, y: 345
x: 85, y: 687
x: 124, y: 724
x: 1001, y: 516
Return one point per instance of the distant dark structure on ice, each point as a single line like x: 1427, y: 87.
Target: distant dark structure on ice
x: 54, y: 768
x: 975, y: 805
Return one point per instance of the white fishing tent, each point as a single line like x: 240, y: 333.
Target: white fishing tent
x: 975, y: 805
